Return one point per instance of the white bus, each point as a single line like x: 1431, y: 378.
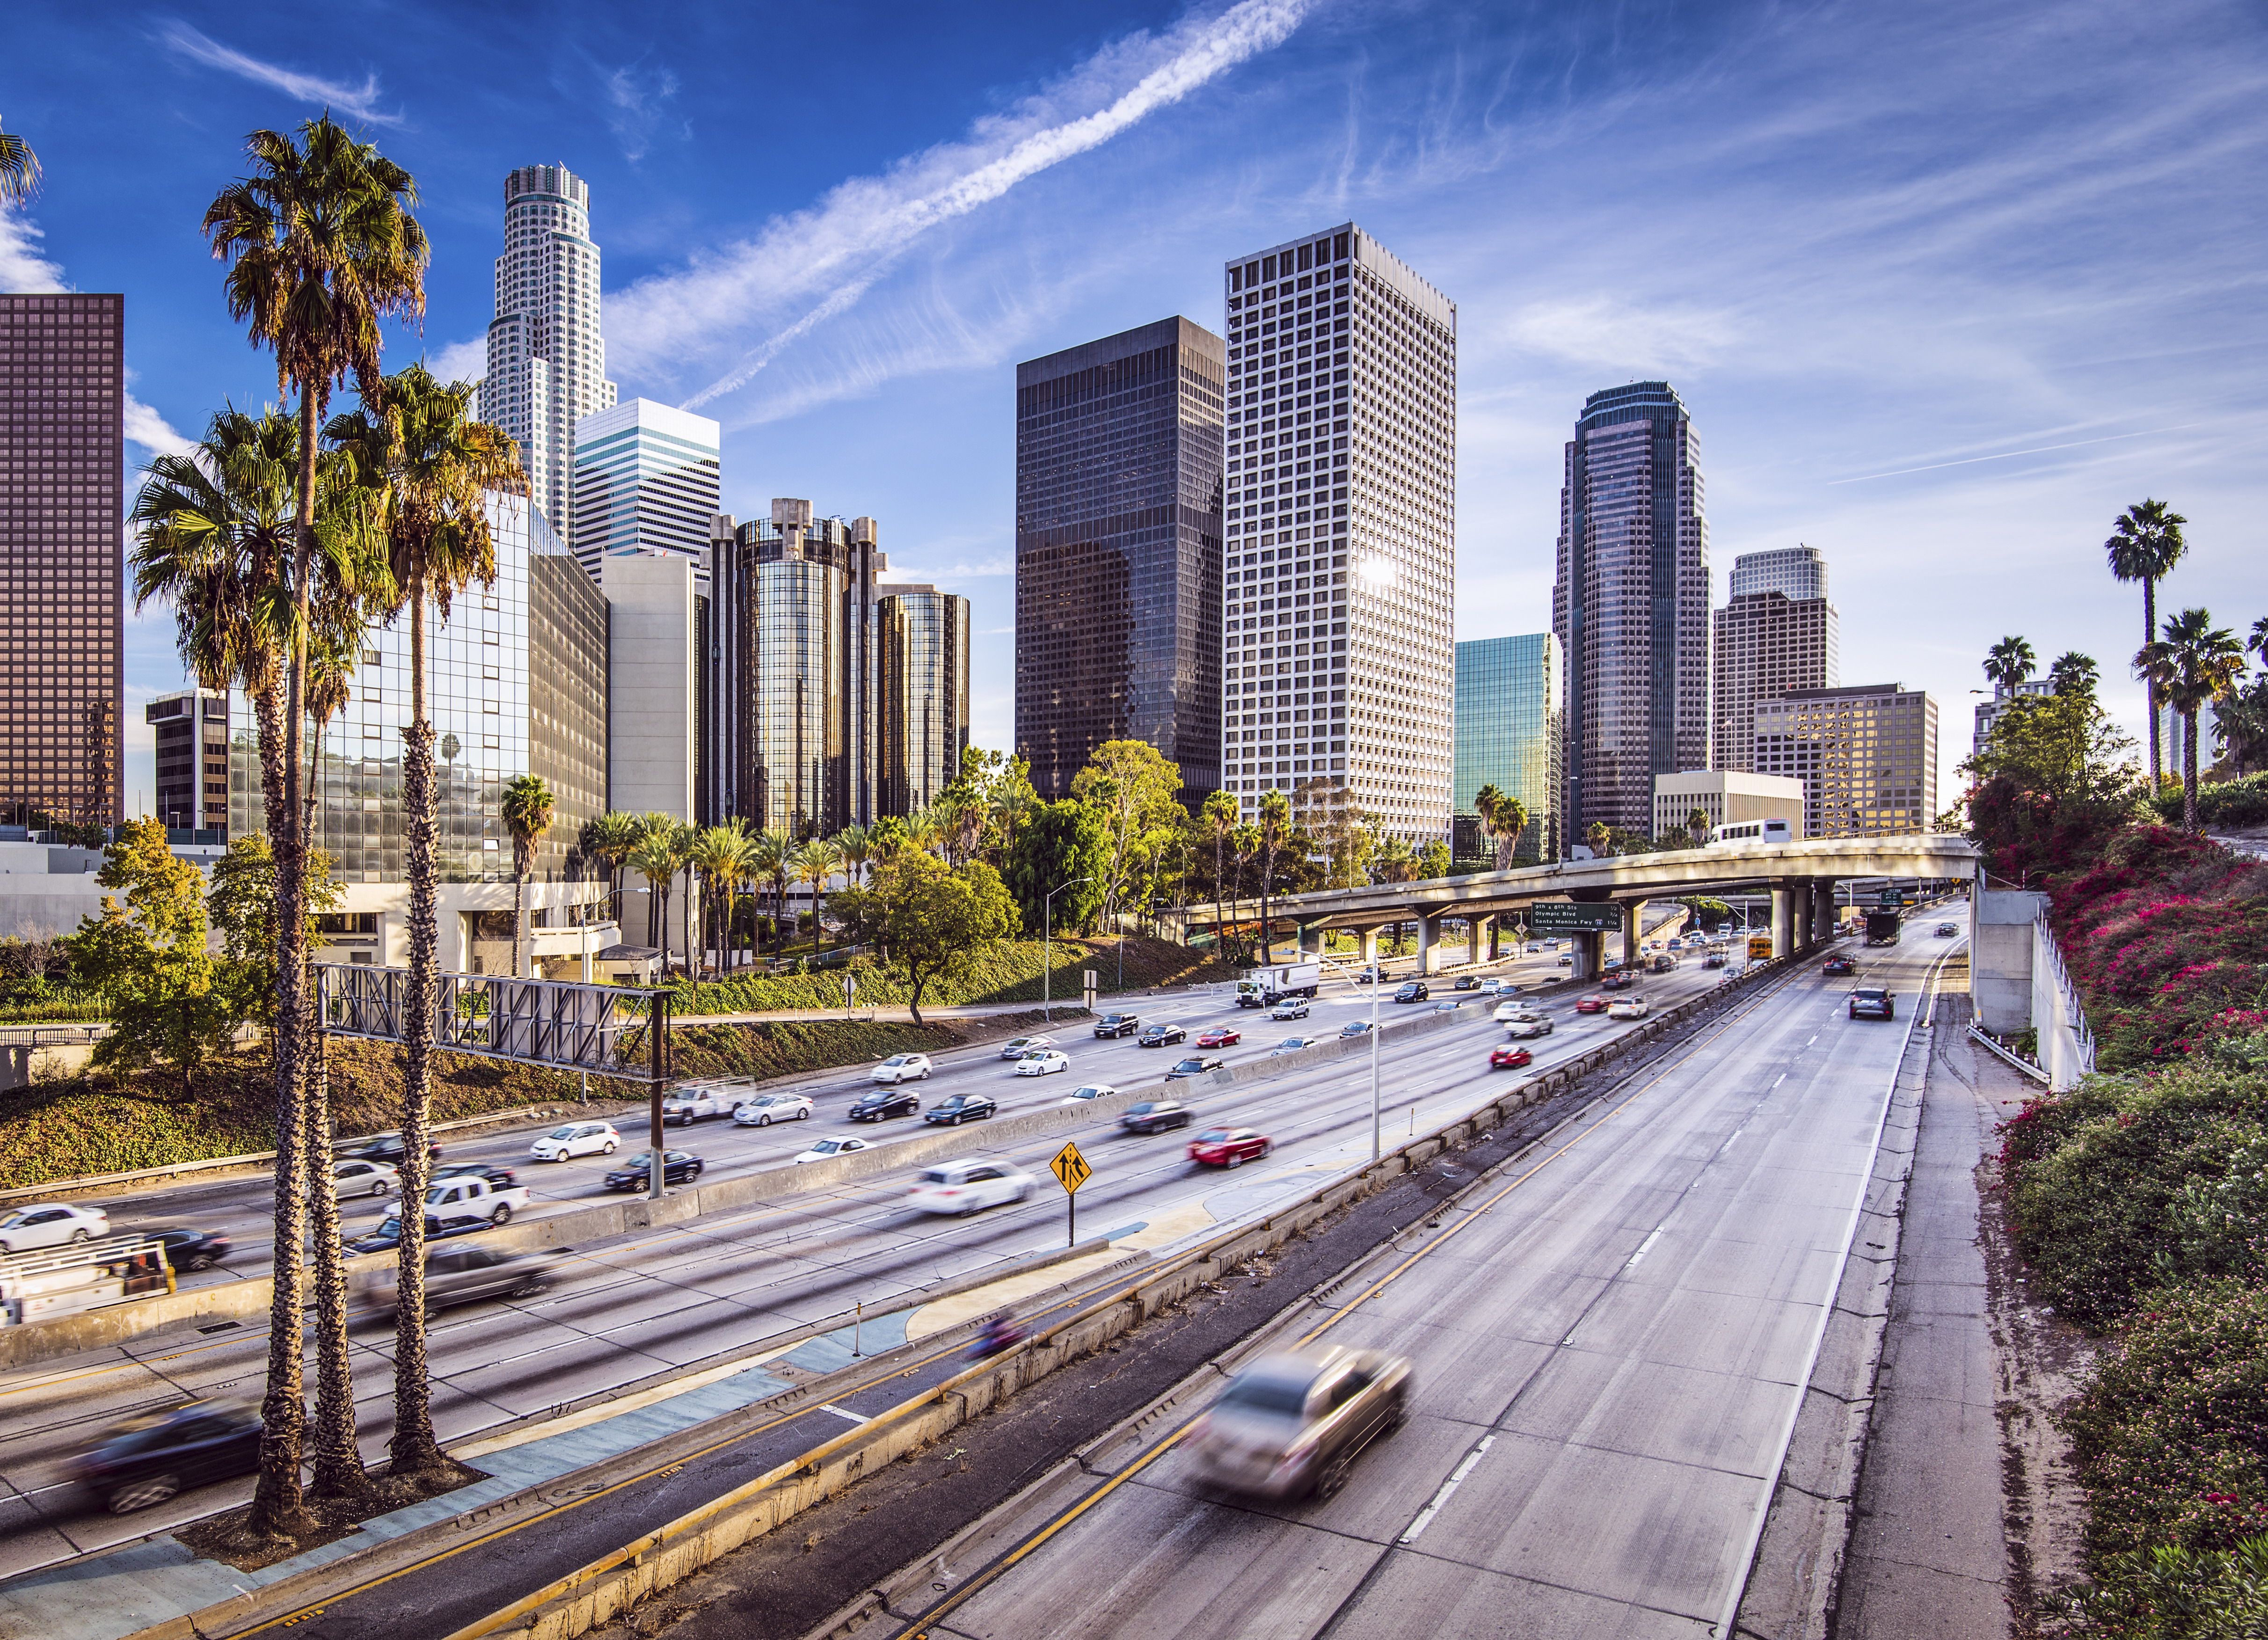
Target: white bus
x: 1753, y: 831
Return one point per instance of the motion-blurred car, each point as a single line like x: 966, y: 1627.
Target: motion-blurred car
x: 496, y: 1173
x: 1493, y: 987
x: 1222, y: 1036
x: 1196, y: 1065
x: 1355, y: 1027
x: 147, y: 1459
x: 1154, y: 1115
x: 1467, y: 983
x: 902, y: 1068
x: 576, y: 1138
x: 1874, y: 1002
x: 1535, y: 948
x: 951, y: 1113
x: 1714, y: 959
x: 1293, y: 1044
x: 1627, y: 1008
x: 1838, y: 965
x: 386, y: 1147
x: 1017, y: 1047
x: 827, y: 1150
x: 632, y: 1172
x: 1617, y: 980
x: 1093, y: 1090
x: 695, y: 1101
x: 1371, y: 975
x: 1228, y: 1147
x: 388, y: 1236
x: 1947, y: 930
x: 1591, y: 1005
x: 767, y: 1108
x: 191, y: 1249
x: 465, y: 1275
x: 1447, y: 1004
x: 1665, y: 964
x: 1045, y: 1062
x: 359, y: 1176
x: 1525, y: 1023
x: 1289, y: 1008
x: 1566, y: 959
x: 1295, y: 1423
x: 1118, y: 1024
x: 51, y: 1225
x: 879, y: 1105
x: 1160, y: 1035
x: 1510, y: 1058
x: 1411, y: 991
x: 968, y: 1186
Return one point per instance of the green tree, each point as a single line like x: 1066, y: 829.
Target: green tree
x: 611, y: 837
x: 2054, y: 777
x: 241, y: 905
x: 1136, y: 791
x: 1433, y: 860
x: 2195, y: 662
x: 1275, y: 823
x: 1219, y: 816
x: 1058, y: 845
x: 1244, y: 844
x: 19, y: 170
x: 2009, y: 662
x: 935, y: 922
x: 147, y: 959
x: 815, y: 861
x: 2240, y: 723
x: 2145, y: 545
x: 525, y: 811
x: 1601, y: 838
x: 2072, y: 672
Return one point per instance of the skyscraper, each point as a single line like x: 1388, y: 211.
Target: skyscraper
x: 646, y: 475
x: 1867, y: 756
x: 63, y: 592
x: 1631, y: 603
x: 1511, y: 701
x: 921, y: 695
x: 546, y: 362
x: 1339, y: 613
x: 1118, y: 552
x: 1777, y: 635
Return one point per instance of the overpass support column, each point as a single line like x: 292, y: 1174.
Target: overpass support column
x: 1369, y: 947
x: 1633, y: 927
x: 1480, y: 945
x: 1822, y: 911
x: 1587, y: 955
x: 1782, y: 916
x: 1429, y: 935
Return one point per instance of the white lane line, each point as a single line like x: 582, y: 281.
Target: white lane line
x: 1727, y: 1144
x: 1814, y: 1042
x: 840, y: 1412
x: 1646, y: 1246
x: 1777, y: 1080
x: 1448, y: 1488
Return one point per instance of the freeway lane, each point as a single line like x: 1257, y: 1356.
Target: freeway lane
x: 1609, y: 1349
x: 648, y: 1304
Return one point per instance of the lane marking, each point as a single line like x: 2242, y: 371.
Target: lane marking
x: 1645, y: 1248
x: 1449, y: 1488
x: 844, y: 1412
x: 1777, y: 1080
x: 1727, y: 1144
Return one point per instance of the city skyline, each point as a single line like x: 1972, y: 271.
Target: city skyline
x: 2003, y: 458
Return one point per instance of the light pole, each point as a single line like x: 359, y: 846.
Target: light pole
x: 1047, y: 947
x: 1342, y: 967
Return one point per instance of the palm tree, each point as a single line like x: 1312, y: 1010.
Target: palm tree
x: 1219, y: 816
x: 924, y: 831
x: 1599, y: 837
x: 610, y: 837
x: 1504, y: 819
x: 19, y: 170
x: 715, y: 859
x: 2194, y: 662
x: 2145, y: 545
x: 525, y: 812
x: 2072, y: 672
x: 815, y: 863
x: 1697, y: 827
x: 2257, y: 642
x: 1275, y: 826
x: 2009, y: 663
x: 856, y: 847
x: 654, y: 860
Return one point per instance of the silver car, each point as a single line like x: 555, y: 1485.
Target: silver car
x: 1292, y: 1424
x: 467, y: 1272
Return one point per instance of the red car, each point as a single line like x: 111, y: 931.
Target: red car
x: 1838, y: 965
x: 1592, y: 1004
x: 1221, y: 1036
x: 1228, y: 1147
x: 1510, y: 1059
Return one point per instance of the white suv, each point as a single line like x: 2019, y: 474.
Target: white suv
x: 51, y: 1225
x: 903, y: 1068
x: 576, y: 1138
x: 968, y: 1186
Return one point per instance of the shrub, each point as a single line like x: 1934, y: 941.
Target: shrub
x: 2221, y: 803
x: 2174, y: 1593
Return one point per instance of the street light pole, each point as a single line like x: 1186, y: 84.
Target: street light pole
x: 1046, y: 948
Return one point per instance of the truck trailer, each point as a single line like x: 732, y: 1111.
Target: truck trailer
x: 1882, y: 928
x: 1264, y: 987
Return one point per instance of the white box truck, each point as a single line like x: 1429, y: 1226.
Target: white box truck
x: 1264, y: 987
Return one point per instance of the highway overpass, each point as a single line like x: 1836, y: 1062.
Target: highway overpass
x: 1800, y: 877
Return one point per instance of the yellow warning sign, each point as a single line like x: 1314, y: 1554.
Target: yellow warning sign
x: 1070, y: 1168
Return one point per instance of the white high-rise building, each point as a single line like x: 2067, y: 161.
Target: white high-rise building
x: 1338, y: 651
x: 646, y: 475
x: 546, y: 363
x: 1799, y: 571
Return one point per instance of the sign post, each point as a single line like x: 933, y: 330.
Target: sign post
x: 1071, y: 1171
x: 1086, y: 989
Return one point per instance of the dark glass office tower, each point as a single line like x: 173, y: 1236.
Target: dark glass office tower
x: 1118, y: 498
x: 62, y: 592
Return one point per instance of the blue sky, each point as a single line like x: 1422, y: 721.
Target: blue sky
x: 1945, y: 286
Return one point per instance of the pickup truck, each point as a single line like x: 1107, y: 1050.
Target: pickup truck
x: 684, y: 1106
x: 473, y: 1198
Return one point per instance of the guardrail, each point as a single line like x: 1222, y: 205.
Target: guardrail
x: 2066, y: 1047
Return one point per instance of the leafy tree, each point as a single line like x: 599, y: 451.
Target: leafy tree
x: 2240, y: 723
x: 815, y: 861
x: 935, y: 922
x: 1219, y: 816
x: 2072, y: 672
x: 1136, y: 791
x: 1396, y: 863
x: 1504, y: 819
x: 2195, y: 662
x: 1058, y: 845
x: 1599, y: 837
x: 241, y: 904
x: 1433, y: 860
x: 147, y: 959
x: 2145, y: 545
x: 1275, y: 825
x: 2009, y: 662
x: 1244, y: 844
x: 611, y: 837
x: 2054, y: 778
x: 1336, y: 830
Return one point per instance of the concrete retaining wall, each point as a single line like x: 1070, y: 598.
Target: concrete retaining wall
x: 2000, y: 957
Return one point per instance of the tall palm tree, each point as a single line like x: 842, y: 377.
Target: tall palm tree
x: 19, y: 170
x: 2194, y: 662
x: 923, y: 829
x: 2145, y: 545
x: 1599, y: 837
x: 1243, y: 845
x: 2257, y: 642
x: 321, y: 251
x: 611, y: 837
x: 1275, y: 826
x: 525, y: 812
x: 856, y: 845
x: 774, y: 851
x: 815, y: 863
x: 2072, y: 672
x: 1218, y: 816
x: 715, y: 860
x: 654, y: 860
x: 2009, y: 663
x: 1506, y: 818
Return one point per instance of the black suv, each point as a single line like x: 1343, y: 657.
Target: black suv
x: 960, y: 1107
x: 1118, y: 1024
x: 147, y: 1459
x: 1155, y: 1115
x: 1414, y: 990
x: 1159, y: 1035
x: 1196, y: 1065
x: 885, y: 1102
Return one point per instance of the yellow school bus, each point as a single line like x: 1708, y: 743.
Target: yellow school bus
x: 1760, y: 947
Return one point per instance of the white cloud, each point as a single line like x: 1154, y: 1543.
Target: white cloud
x: 806, y: 269
x: 997, y: 565
x: 359, y: 100
x: 22, y: 267
x: 146, y: 427
x: 1605, y: 333
x: 460, y: 360
x: 635, y: 100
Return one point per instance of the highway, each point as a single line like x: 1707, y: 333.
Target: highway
x: 660, y: 1300
x: 1608, y: 1344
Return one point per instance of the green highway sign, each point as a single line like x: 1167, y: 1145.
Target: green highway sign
x: 1565, y: 916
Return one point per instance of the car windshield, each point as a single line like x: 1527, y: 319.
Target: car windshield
x: 1190, y: 1065
x: 826, y: 1147
x: 1213, y: 1136
x: 1086, y: 1093
x: 1271, y: 1395
x: 1292, y: 1042
x: 896, y: 1059
x: 935, y: 1175
x: 642, y: 1159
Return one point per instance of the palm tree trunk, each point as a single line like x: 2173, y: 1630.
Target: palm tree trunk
x: 2150, y: 683
x: 2189, y: 772
x: 518, y: 911
x: 339, y: 1474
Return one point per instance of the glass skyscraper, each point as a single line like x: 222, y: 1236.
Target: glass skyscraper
x: 648, y: 475
x: 1512, y: 733
x: 921, y: 695
x: 1118, y: 552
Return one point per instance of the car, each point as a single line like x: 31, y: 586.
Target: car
x: 148, y: 1460
x: 1044, y: 1063
x: 1355, y: 1027
x: 191, y: 1249
x: 1714, y: 959
x: 576, y: 1138
x: 1838, y: 965
x: 1566, y: 959
x: 1292, y: 1045
x: 1118, y: 1024
x: 388, y: 1236
x: 496, y: 1173
x: 1410, y: 991
x: 1665, y: 964
x: 879, y: 1105
x: 1627, y: 1008
x: 1467, y: 983
x: 51, y: 1225
x: 386, y: 1147
x: 1535, y: 948
x: 1196, y: 1065
x: 951, y: 1113
x: 1498, y: 988
x: 1735, y: 971
x: 1947, y: 930
x: 767, y: 1108
x: 1446, y: 1005
x: 1371, y: 975
x: 465, y: 1275
x: 358, y: 1175
x: 1591, y: 1005
x: 827, y: 1150
x: 634, y: 1172
x: 691, y: 1101
x: 1527, y: 1025
x: 1229, y: 1147
x: 1160, y: 1035
x: 1610, y: 965
x: 968, y: 1186
x: 1154, y: 1115
x: 1017, y: 1047
x: 1676, y: 944
x: 1510, y: 1058
x: 1293, y: 1423
x: 470, y: 1194
x: 1617, y: 980
x: 1505, y: 1012
x: 901, y: 1068
x: 1091, y: 1090
x: 1289, y: 1008
x: 1875, y: 1002
x: 1222, y: 1036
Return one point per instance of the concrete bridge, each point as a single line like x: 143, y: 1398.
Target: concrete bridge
x: 1800, y: 877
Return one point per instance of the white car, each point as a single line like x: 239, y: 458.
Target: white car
x: 358, y: 1176
x: 827, y: 1150
x: 1292, y: 1045
x: 1289, y: 1008
x: 1507, y: 1012
x: 1093, y: 1090
x: 1043, y: 1062
x: 903, y: 1068
x: 767, y: 1108
x: 1016, y: 1048
x: 1524, y: 1024
x: 1495, y: 987
x: 968, y: 1185
x: 51, y: 1225
x: 1626, y: 1008
x: 576, y: 1138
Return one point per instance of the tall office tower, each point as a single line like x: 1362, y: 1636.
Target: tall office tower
x: 1511, y: 702
x: 546, y: 362
x: 793, y: 719
x: 62, y: 592
x: 1780, y: 633
x: 1631, y: 603
x: 921, y: 695
x: 646, y: 476
x: 1338, y: 651
x: 1118, y: 552
x: 190, y: 729
x: 1866, y: 757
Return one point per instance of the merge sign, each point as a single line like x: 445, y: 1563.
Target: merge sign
x: 1071, y: 1169
x: 1566, y: 917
